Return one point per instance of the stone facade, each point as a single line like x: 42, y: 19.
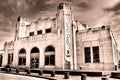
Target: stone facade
x: 61, y: 43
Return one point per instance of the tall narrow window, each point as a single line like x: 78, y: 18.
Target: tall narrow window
x: 22, y: 57
x: 39, y: 32
x: 48, y: 30
x: 50, y: 55
x: 46, y: 60
x: 60, y: 6
x: 34, y: 57
x: 31, y: 33
x: 96, y: 54
x: 87, y: 55
x: 10, y: 58
x: 22, y: 61
x: 52, y: 59
x: 1, y: 58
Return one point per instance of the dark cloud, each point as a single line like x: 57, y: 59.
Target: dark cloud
x: 86, y: 11
x: 115, y: 8
x: 84, y: 5
x: 5, y: 24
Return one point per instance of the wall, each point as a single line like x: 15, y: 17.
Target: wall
x: 41, y: 42
x: 8, y: 49
x: 95, y: 37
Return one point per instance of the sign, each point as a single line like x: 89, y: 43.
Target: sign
x: 67, y: 25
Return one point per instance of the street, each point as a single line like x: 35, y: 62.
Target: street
x: 4, y: 76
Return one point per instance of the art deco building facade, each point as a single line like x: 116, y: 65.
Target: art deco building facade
x: 61, y: 43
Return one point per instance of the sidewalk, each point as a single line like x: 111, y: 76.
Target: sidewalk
x: 8, y: 76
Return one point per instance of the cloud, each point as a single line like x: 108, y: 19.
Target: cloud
x: 91, y: 12
x: 115, y: 8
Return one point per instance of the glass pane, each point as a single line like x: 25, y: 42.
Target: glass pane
x: 22, y: 51
x: 20, y: 61
x: 49, y: 49
x: 46, y: 60
x: 35, y: 50
x: 12, y: 57
x: 48, y: 30
x: 96, y: 54
x: 9, y: 60
x: 52, y: 59
x: 24, y: 61
x: 31, y: 33
x: 39, y: 32
x: 87, y: 55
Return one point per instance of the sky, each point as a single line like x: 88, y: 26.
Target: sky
x: 92, y: 12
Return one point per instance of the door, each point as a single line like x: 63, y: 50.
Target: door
x: 35, y: 62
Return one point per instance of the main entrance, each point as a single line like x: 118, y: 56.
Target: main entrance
x: 34, y: 58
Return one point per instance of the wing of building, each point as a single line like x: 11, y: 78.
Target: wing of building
x: 61, y: 43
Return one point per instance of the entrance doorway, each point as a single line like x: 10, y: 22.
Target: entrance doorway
x: 34, y: 60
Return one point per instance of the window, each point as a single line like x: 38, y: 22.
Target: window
x: 60, y: 7
x: 31, y: 33
x: 34, y: 57
x: 50, y: 55
x: 22, y: 51
x: 1, y: 58
x: 46, y: 60
x: 10, y: 58
x: 49, y: 49
x: 22, y: 61
x: 39, y: 32
x: 48, y: 30
x: 95, y: 54
x: 92, y: 52
x: 87, y: 55
x: 35, y: 50
x: 50, y: 60
x: 22, y: 57
x: 35, y: 62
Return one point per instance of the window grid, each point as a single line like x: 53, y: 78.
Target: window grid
x: 49, y: 59
x: 92, y: 54
x: 10, y: 58
x: 48, y: 30
x: 95, y: 54
x: 39, y: 32
x: 31, y: 33
x: 22, y: 61
x: 87, y: 55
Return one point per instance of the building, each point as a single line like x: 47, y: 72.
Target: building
x: 61, y: 43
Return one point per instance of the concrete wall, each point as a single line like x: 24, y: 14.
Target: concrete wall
x: 41, y: 42
x: 95, y: 37
x: 41, y: 24
x: 8, y: 49
x: 82, y: 36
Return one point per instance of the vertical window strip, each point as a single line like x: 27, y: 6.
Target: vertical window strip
x: 95, y: 54
x: 87, y: 55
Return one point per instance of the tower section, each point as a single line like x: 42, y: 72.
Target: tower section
x: 64, y: 16
x: 21, y: 27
